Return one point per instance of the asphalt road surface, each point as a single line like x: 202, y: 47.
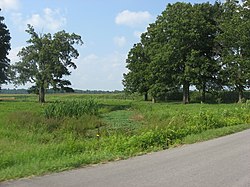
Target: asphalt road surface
x: 222, y: 162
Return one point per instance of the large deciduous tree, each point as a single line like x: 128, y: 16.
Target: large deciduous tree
x: 205, y: 49
x: 160, y: 71
x: 136, y: 80
x: 235, y: 42
x: 193, y: 31
x: 4, y: 51
x: 46, y: 60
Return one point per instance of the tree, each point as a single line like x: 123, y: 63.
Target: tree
x: 136, y: 79
x: 160, y: 55
x: 235, y: 42
x: 4, y: 48
x: 206, y: 69
x: 45, y: 61
x: 194, y: 29
x: 181, y: 47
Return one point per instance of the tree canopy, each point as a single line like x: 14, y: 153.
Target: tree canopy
x: 136, y: 79
x: 46, y: 60
x: 4, y: 51
x: 201, y: 45
x: 235, y: 45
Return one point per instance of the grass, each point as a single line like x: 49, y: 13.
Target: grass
x: 32, y: 143
x: 214, y: 133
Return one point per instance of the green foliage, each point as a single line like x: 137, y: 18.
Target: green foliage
x: 179, y: 48
x: 136, y: 80
x: 46, y: 60
x: 4, y: 51
x: 45, y: 131
x: 235, y: 39
x: 213, y: 133
x: 71, y: 108
x: 196, y: 97
x: 218, y: 97
x: 201, y: 45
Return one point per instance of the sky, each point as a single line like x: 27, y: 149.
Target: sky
x: 109, y: 29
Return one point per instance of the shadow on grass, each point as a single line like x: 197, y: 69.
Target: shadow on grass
x: 112, y: 108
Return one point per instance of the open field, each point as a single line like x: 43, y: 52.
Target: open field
x: 33, y: 144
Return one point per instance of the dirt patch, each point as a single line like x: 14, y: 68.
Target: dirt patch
x: 137, y: 117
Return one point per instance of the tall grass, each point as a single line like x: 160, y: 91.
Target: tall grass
x: 37, y: 128
x: 71, y: 108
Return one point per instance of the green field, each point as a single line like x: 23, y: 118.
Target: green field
x: 34, y: 143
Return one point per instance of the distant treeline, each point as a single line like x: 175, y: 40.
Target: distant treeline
x: 51, y: 91
x: 13, y: 91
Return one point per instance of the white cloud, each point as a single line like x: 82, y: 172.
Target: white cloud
x: 99, y: 72
x: 13, y: 54
x: 17, y: 19
x: 133, y: 19
x: 9, y: 4
x: 90, y: 58
x: 120, y: 41
x: 50, y: 19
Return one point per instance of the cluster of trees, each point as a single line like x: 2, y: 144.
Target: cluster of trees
x: 45, y: 61
x: 206, y: 46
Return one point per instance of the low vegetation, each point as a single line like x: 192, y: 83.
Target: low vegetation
x: 71, y: 108
x: 36, y: 139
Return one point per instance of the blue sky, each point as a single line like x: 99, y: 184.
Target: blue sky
x: 109, y: 28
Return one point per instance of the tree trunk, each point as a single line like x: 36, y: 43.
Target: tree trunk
x: 203, y: 93
x: 146, y: 96
x: 186, y: 92
x: 153, y: 100
x: 240, y: 96
x: 41, y: 94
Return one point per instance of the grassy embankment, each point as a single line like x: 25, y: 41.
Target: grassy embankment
x: 34, y: 143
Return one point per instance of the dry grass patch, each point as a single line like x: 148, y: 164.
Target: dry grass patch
x: 7, y: 98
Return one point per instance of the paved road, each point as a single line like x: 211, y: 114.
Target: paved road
x: 222, y: 162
